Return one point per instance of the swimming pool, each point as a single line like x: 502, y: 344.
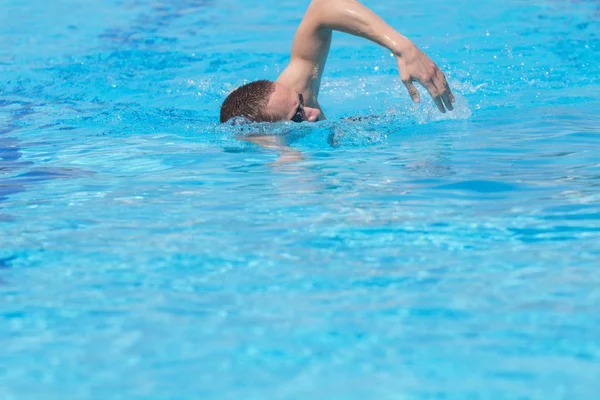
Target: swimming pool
x: 145, y: 253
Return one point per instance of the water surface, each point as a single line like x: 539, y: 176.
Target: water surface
x: 145, y: 253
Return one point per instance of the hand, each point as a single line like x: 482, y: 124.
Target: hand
x: 415, y: 66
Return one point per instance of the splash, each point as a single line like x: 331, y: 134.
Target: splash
x: 425, y: 112
x: 353, y: 131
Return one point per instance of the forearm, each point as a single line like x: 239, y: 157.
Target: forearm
x: 313, y: 39
x: 351, y: 17
x: 286, y: 153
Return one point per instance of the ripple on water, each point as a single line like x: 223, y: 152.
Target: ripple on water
x: 403, y: 252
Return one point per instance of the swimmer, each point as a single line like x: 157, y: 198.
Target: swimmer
x: 294, y: 95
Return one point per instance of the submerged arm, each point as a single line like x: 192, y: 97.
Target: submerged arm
x: 313, y: 39
x: 286, y: 153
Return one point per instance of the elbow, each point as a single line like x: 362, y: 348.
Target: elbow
x: 324, y: 5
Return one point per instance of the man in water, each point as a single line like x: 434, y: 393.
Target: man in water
x: 294, y: 95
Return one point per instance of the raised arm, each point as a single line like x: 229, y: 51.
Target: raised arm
x: 313, y: 39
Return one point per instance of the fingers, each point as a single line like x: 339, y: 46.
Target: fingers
x: 443, y: 88
x: 437, y: 99
x: 447, y: 102
x: 440, y: 92
x: 445, y: 97
x: 435, y: 95
x: 412, y: 91
x: 436, y: 84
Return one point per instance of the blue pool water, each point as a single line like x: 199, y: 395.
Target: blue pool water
x: 145, y: 253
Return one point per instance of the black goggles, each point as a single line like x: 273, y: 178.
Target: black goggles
x: 300, y: 115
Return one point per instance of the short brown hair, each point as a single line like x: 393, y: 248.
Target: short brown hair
x: 249, y: 101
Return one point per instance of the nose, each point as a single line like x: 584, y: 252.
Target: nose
x: 312, y: 114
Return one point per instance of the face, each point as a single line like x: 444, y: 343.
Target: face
x: 287, y: 105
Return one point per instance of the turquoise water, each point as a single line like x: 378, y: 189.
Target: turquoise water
x: 145, y: 253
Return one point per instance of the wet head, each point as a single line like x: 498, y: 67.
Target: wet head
x: 266, y: 101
